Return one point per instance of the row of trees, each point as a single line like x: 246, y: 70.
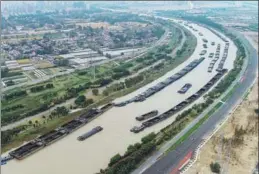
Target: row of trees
x: 8, y: 135
x: 82, y: 101
x: 6, y: 73
x: 41, y: 87
x: 133, y: 81
x: 60, y: 111
x: 12, y: 108
x: 113, y: 88
x: 132, y: 157
x: 15, y: 94
x: 9, y: 83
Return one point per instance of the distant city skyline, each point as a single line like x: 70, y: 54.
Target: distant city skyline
x: 17, y: 7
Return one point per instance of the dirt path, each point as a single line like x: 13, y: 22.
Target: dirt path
x: 235, y: 152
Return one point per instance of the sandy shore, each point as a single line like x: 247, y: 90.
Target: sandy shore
x: 68, y: 155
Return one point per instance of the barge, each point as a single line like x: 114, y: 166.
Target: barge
x: 203, y: 52
x: 137, y: 129
x: 156, y: 88
x: 147, y: 115
x: 224, y: 57
x: 205, y: 40
x: 211, y: 55
x: 56, y: 134
x: 185, y: 88
x: 90, y: 133
x: 106, y: 107
x: 179, y: 106
x: 26, y: 150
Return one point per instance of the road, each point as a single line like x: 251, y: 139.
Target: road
x: 170, y: 161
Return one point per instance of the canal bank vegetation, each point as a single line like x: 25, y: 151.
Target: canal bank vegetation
x: 124, y: 165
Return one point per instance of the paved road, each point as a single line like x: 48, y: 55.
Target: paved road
x: 169, y: 162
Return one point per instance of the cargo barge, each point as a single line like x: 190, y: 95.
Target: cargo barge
x: 51, y: 136
x: 205, y: 40
x: 26, y: 150
x: 215, y: 59
x: 90, y: 133
x: 156, y: 88
x: 106, y: 107
x: 224, y: 57
x: 211, y: 55
x: 179, y: 106
x: 203, y: 52
x: 56, y: 134
x: 147, y: 115
x: 185, y: 88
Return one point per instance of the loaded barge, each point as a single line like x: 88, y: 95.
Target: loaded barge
x: 90, y: 133
x: 56, y: 134
x: 147, y: 115
x: 185, y: 88
x: 180, y: 106
x: 154, y: 89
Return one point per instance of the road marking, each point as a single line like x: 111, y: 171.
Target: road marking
x: 222, y: 102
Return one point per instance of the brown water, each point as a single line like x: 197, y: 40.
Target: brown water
x: 69, y: 155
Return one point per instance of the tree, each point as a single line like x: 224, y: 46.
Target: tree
x: 30, y: 122
x: 9, y: 83
x: 215, y: 167
x: 80, y: 100
x: 61, y: 110
x: 95, y: 91
x: 115, y: 159
x: 88, y: 102
x: 36, y: 122
x: 105, y: 93
x: 49, y: 85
